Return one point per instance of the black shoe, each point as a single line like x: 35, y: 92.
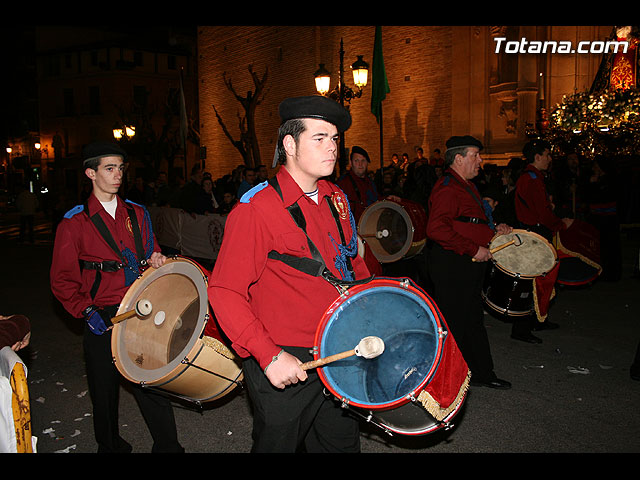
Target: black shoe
x: 495, y: 383
x: 526, y: 337
x: 546, y: 326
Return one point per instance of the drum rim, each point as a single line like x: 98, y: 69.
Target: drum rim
x: 173, y: 369
x: 408, y: 244
x: 404, y: 286
x: 378, y: 416
x: 520, y: 275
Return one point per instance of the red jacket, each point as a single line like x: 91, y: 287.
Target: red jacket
x: 532, y: 202
x: 361, y: 192
x: 449, y: 201
x: 262, y: 303
x: 77, y: 239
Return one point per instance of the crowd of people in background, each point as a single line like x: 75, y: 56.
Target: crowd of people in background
x: 579, y: 188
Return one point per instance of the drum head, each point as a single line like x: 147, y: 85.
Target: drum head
x: 534, y: 257
x: 403, y: 317
x: 388, y: 230
x: 146, y: 349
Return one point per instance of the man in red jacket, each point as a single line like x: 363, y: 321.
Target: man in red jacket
x: 356, y: 183
x: 459, y: 234
x: 268, y: 307
x: 534, y: 209
x: 100, y: 248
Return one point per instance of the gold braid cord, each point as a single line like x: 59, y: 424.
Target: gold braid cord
x: 541, y: 317
x: 434, y: 408
x: 218, y: 346
x: 559, y: 246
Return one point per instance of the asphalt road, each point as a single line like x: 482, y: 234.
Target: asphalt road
x: 571, y: 394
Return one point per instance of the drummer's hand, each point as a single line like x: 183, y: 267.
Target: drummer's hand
x: 285, y: 371
x: 503, y: 229
x: 157, y: 259
x: 567, y: 222
x: 482, y: 255
x: 394, y: 198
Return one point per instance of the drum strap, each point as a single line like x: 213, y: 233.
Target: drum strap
x: 466, y: 187
x: 312, y: 266
x: 113, y: 266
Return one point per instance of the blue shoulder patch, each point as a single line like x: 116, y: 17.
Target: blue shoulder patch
x: 446, y: 180
x: 74, y: 211
x: 248, y: 195
x: 532, y: 174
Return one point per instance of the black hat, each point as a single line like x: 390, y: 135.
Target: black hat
x: 463, y: 141
x: 315, y: 106
x: 102, y: 149
x: 361, y: 151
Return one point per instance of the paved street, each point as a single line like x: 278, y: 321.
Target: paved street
x: 571, y: 394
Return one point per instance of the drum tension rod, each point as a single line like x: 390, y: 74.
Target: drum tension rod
x: 344, y: 403
x: 173, y: 395
x: 186, y: 361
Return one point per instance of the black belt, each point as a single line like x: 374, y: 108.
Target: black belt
x: 104, y: 266
x: 472, y: 220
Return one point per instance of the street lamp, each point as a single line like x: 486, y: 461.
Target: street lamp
x: 341, y: 92
x: 128, y: 131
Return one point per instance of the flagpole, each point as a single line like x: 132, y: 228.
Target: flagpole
x: 183, y: 124
x: 381, y: 141
x: 379, y: 86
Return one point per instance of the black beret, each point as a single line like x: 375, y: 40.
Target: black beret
x: 102, y: 149
x: 315, y: 106
x: 361, y: 151
x: 463, y: 141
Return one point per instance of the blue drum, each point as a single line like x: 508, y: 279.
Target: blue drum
x: 390, y: 386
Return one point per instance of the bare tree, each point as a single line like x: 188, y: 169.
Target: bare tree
x: 247, y: 144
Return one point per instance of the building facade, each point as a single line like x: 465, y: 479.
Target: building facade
x: 443, y: 80
x: 92, y: 82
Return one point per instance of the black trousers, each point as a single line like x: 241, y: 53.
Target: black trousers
x: 300, y: 418
x: 457, y: 285
x: 104, y: 382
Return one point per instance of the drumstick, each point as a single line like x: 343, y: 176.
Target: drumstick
x: 505, y: 245
x: 142, y: 309
x: 368, y: 347
x: 379, y: 234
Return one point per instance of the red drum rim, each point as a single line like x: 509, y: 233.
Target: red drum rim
x: 432, y: 325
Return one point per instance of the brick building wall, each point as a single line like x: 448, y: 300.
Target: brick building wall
x: 416, y: 112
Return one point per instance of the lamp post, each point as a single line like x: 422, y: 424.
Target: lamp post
x: 342, y: 93
x: 128, y: 131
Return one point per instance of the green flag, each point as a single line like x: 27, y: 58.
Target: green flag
x: 379, y: 83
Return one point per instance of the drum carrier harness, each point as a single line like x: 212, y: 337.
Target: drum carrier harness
x: 129, y: 259
x: 316, y: 266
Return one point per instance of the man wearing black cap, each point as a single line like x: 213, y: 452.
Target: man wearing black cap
x: 459, y: 233
x: 266, y: 305
x: 356, y: 183
x: 90, y: 277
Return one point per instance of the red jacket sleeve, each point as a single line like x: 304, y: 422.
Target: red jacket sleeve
x: 532, y: 203
x: 241, y: 259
